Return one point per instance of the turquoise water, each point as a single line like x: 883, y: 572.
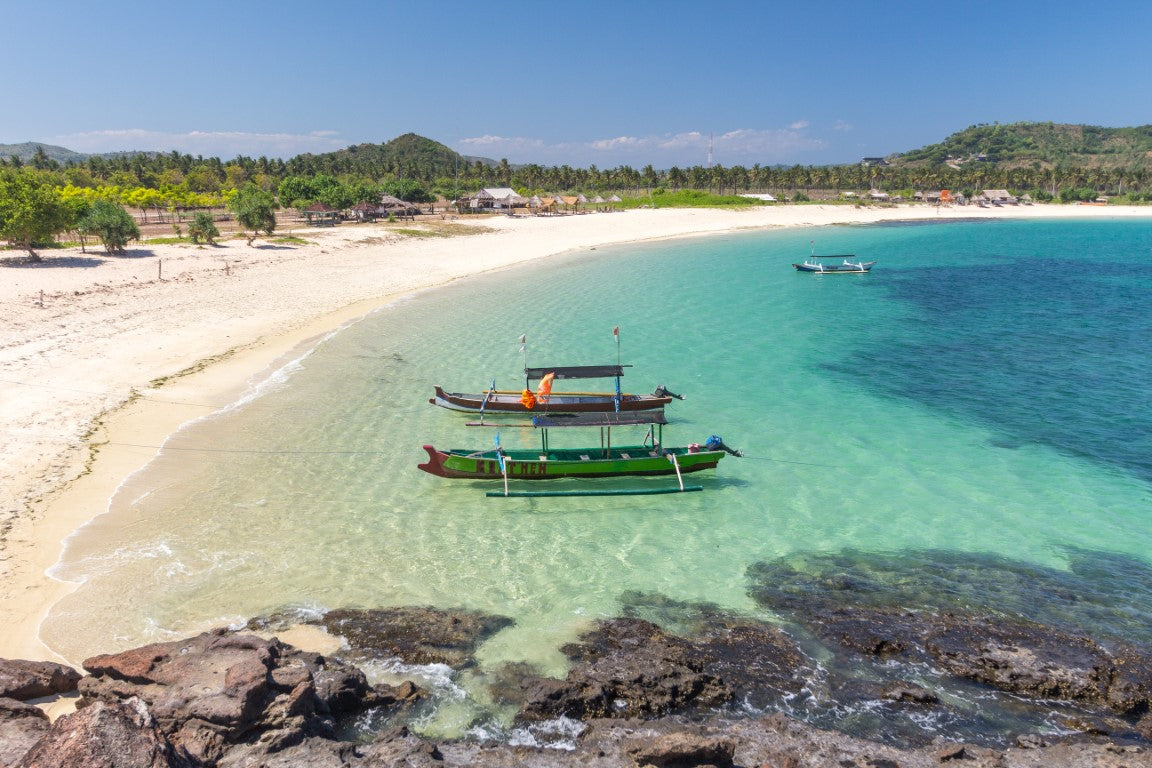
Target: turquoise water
x: 984, y: 390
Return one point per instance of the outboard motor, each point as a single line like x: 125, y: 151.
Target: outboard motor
x: 662, y: 391
x: 716, y: 443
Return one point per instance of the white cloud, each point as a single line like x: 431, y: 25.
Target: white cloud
x: 737, y: 147
x: 222, y: 144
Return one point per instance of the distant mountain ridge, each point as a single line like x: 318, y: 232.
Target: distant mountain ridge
x: 1018, y: 145
x: 407, y: 151
x: 1011, y: 145
x: 27, y: 150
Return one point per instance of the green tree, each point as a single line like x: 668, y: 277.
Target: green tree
x: 203, y: 228
x: 255, y: 210
x: 77, y: 208
x: 31, y: 210
x: 112, y: 224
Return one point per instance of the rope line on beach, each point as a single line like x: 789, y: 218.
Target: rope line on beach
x: 786, y: 461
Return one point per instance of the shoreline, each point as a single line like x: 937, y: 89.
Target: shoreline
x: 124, y: 351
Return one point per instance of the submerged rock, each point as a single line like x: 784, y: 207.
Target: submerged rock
x: 633, y: 668
x: 627, y: 668
x: 415, y: 634
x: 869, y: 614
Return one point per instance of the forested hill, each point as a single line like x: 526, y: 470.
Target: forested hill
x: 1016, y: 145
x: 421, y: 157
x: 27, y: 151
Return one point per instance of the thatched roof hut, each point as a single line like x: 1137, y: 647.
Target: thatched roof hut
x: 320, y: 214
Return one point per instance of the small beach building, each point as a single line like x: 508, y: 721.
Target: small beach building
x: 497, y: 198
x: 321, y: 215
x: 1000, y: 197
x: 394, y: 206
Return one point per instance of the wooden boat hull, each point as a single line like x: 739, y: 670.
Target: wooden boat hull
x: 591, y: 462
x: 836, y: 269
x: 508, y: 402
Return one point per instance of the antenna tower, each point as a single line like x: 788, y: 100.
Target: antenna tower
x: 709, y: 150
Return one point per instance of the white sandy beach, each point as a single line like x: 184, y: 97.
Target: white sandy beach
x: 122, y: 351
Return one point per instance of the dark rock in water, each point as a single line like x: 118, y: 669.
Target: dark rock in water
x: 417, y: 635
x: 882, y: 618
x: 1105, y: 595
x: 218, y: 689
x: 1023, y: 659
x: 761, y: 664
x: 21, y: 726
x: 105, y: 735
x: 1130, y: 683
x: 23, y: 680
x: 909, y: 693
x: 881, y: 633
x: 633, y: 668
x: 627, y: 668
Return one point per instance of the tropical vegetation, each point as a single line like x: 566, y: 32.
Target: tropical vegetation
x: 42, y: 195
x: 111, y: 223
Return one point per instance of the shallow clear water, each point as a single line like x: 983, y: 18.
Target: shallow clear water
x: 984, y: 390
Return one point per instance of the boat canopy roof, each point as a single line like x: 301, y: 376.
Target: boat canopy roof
x: 654, y: 416
x: 548, y: 420
x: 578, y: 372
x: 834, y: 256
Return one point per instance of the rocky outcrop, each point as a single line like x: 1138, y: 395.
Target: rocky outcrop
x: 218, y: 690
x: 21, y: 726
x: 415, y: 634
x: 23, y: 680
x: 105, y: 735
x: 637, y: 694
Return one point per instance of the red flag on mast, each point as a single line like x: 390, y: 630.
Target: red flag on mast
x: 616, y: 333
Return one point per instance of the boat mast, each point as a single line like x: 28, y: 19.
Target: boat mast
x: 524, y: 354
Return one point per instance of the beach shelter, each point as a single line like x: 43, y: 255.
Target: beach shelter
x: 496, y: 197
x: 394, y: 205
x: 321, y: 215
x: 366, y: 211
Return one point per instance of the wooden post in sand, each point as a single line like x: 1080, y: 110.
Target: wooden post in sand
x: 41, y: 297
x: 160, y: 269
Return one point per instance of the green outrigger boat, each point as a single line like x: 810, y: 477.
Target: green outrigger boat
x: 651, y: 458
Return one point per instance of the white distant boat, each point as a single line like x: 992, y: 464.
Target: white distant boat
x: 849, y: 264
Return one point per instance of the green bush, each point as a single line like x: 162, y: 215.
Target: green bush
x: 112, y: 224
x: 203, y: 228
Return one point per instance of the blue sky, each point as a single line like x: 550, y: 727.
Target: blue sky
x: 578, y: 83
